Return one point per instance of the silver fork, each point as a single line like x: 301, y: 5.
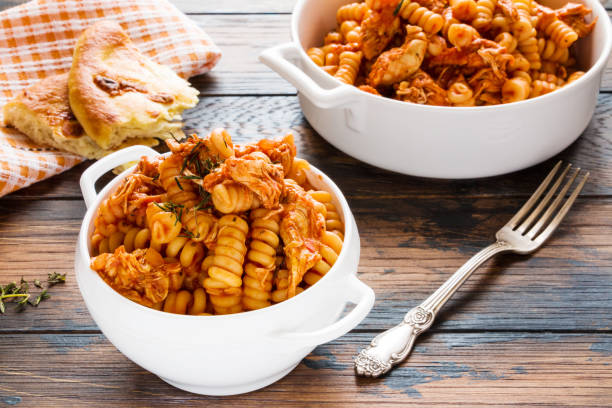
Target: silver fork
x: 523, y: 234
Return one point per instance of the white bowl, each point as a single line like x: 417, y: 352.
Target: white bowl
x: 433, y: 141
x: 222, y: 355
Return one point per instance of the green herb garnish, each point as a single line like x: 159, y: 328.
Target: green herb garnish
x: 20, y: 293
x: 398, y: 8
x: 178, y: 184
x: 55, y: 278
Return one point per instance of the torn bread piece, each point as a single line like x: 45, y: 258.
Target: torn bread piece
x: 117, y: 93
x: 42, y: 112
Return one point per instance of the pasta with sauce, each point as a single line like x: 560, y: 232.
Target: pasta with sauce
x: 217, y: 228
x: 454, y: 52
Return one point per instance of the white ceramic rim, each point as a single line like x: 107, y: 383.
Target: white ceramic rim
x: 84, y: 240
x: 598, y: 11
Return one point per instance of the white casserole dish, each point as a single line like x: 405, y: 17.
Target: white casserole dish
x: 432, y: 141
x: 222, y: 355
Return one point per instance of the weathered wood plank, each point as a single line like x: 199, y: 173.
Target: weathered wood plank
x: 249, y: 118
x: 445, y: 369
x: 239, y: 71
x: 409, y: 247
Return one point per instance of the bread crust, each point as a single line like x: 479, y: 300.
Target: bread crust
x: 43, y: 113
x: 117, y: 93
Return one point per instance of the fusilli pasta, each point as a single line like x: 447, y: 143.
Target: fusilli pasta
x: 216, y: 228
x: 462, y: 39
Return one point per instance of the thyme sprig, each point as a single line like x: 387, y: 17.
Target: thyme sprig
x: 398, y: 8
x: 176, y: 209
x: 20, y: 293
x: 198, y: 167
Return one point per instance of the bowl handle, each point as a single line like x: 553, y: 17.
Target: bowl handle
x: 358, y: 293
x: 96, y: 170
x: 280, y: 59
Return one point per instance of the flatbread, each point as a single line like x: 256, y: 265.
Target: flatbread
x: 117, y: 93
x: 42, y: 112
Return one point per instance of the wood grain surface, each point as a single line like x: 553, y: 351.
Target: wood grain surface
x: 523, y: 331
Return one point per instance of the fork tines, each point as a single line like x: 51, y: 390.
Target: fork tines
x: 528, y: 221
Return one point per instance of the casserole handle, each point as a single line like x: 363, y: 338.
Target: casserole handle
x: 358, y: 293
x: 280, y: 59
x: 99, y: 168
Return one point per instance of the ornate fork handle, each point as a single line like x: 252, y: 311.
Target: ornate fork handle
x: 394, y: 345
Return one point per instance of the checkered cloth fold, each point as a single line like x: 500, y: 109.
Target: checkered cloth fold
x: 37, y: 40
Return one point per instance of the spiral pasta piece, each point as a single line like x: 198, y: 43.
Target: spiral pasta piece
x: 484, y: 13
x: 520, y: 63
x: 464, y: 10
x: 201, y: 225
x: 189, y: 252
x: 333, y: 222
x: 297, y: 172
x: 574, y: 76
x: 523, y: 28
x: 516, y: 88
x: 178, y: 302
x: 508, y: 41
x: 317, y: 55
x: 462, y: 35
x: 351, y: 31
x: 178, y: 190
x: 164, y: 225
x: 281, y: 286
x: 562, y: 34
x: 353, y: 11
x: 348, y: 66
x: 539, y: 87
x: 436, y: 45
x: 548, y: 77
x: 331, y: 245
x: 551, y: 51
x: 219, y: 144
x: 257, y: 282
x: 185, y: 302
x: 333, y: 37
x: 198, y: 304
x: 233, y: 197
x: 529, y: 48
x: 460, y: 94
x: 130, y: 237
x: 500, y: 23
x: 110, y: 212
x: 449, y: 20
x: 429, y: 21
x: 224, y: 281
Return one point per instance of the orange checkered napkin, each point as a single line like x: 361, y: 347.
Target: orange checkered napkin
x: 37, y: 39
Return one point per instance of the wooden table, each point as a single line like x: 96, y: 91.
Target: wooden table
x: 524, y: 330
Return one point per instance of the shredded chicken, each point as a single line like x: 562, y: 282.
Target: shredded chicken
x: 141, y: 275
x: 135, y: 194
x: 421, y: 89
x: 281, y: 151
x: 480, y: 54
x: 437, y: 6
x: 378, y: 28
x: 253, y: 170
x: 369, y: 89
x: 573, y: 15
x: 300, y: 229
x: 398, y: 64
x: 486, y: 80
x: 508, y: 9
